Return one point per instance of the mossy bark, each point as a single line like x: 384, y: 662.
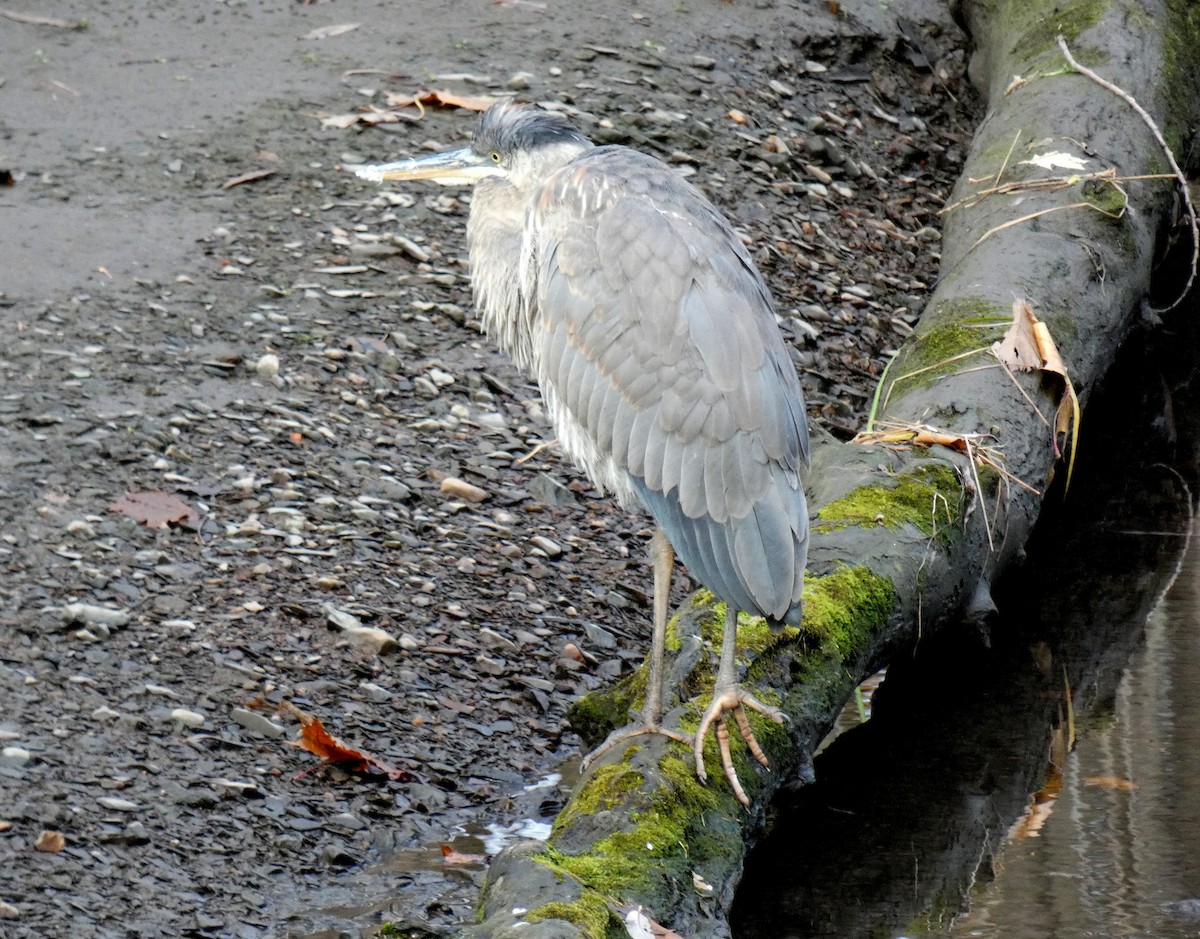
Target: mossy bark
x: 905, y: 541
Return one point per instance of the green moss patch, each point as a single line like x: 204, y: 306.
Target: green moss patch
x: 928, y: 498
x: 843, y: 609
x: 591, y: 913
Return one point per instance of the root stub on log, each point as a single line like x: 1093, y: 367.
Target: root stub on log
x: 908, y: 533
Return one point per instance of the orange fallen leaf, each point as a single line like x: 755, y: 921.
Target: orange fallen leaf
x: 316, y: 739
x: 450, y: 856
x: 156, y: 509
x: 1118, y: 783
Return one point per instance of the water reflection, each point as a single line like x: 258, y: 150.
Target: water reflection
x: 957, y: 809
x: 1115, y: 860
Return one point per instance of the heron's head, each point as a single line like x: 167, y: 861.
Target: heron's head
x: 519, y: 143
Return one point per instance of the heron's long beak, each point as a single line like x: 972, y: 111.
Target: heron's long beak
x: 453, y: 168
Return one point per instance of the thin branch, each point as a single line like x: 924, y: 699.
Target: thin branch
x: 1182, y: 180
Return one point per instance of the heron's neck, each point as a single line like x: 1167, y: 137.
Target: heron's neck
x: 495, y: 239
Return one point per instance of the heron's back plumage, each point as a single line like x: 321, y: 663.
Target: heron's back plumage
x: 652, y: 336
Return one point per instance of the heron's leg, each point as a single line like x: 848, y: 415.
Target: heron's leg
x: 662, y: 556
x: 730, y: 698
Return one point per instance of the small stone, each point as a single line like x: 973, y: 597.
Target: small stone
x: 375, y: 692
x: 490, y: 666
x: 94, y: 615
x: 461, y: 489
x: 115, y: 804
x: 105, y: 713
x: 185, y: 718
x: 14, y: 756
x: 50, y: 842
x: 496, y: 641
x: 8, y: 911
x: 368, y: 638
x: 550, y: 548
x: 135, y: 833
x: 346, y: 822
x: 409, y: 643
x: 257, y: 723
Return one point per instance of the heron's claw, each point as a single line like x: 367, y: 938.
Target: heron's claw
x: 634, y: 730
x: 733, y: 700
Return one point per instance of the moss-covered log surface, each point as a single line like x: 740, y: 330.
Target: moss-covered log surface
x: 906, y: 539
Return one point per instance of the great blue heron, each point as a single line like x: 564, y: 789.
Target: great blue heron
x: 652, y: 336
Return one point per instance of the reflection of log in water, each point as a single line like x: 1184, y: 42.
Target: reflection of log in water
x: 908, y: 808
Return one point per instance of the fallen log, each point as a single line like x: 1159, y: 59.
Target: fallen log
x: 1064, y: 206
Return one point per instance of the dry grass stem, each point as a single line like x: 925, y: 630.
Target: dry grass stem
x: 1178, y: 173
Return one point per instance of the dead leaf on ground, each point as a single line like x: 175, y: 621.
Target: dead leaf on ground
x: 43, y: 20
x: 1028, y: 346
x: 157, y: 509
x: 50, y: 842
x: 369, y: 115
x: 316, y: 739
x: 250, y: 177
x: 440, y: 98
x: 452, y: 857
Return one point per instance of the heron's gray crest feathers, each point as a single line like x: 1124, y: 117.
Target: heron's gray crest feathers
x: 510, y: 128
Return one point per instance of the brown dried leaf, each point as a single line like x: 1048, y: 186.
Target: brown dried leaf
x: 50, y: 842
x: 156, y: 509
x: 1019, y: 347
x: 1028, y: 345
x: 250, y: 177
x: 316, y: 739
x: 440, y: 98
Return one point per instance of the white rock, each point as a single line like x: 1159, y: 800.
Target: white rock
x: 268, y: 367
x: 185, y: 718
x: 14, y: 756
x: 95, y: 615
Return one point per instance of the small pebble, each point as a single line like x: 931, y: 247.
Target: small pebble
x: 94, y: 615
x: 115, y: 804
x: 461, y: 489
x: 185, y: 718
x: 14, y: 756
x: 257, y: 723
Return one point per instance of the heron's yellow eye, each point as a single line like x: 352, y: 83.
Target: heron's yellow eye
x: 495, y: 155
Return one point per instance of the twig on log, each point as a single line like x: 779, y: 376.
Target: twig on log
x: 1183, y: 185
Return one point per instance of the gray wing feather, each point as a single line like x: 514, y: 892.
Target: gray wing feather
x: 656, y: 337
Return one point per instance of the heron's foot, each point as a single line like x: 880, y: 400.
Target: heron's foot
x: 636, y: 729
x: 732, y: 700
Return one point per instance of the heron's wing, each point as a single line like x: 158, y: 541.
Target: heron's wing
x: 657, y: 341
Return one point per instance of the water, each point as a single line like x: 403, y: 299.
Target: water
x: 1042, y: 779
x: 1113, y: 860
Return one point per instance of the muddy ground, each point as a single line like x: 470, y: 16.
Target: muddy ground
x: 144, y: 306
